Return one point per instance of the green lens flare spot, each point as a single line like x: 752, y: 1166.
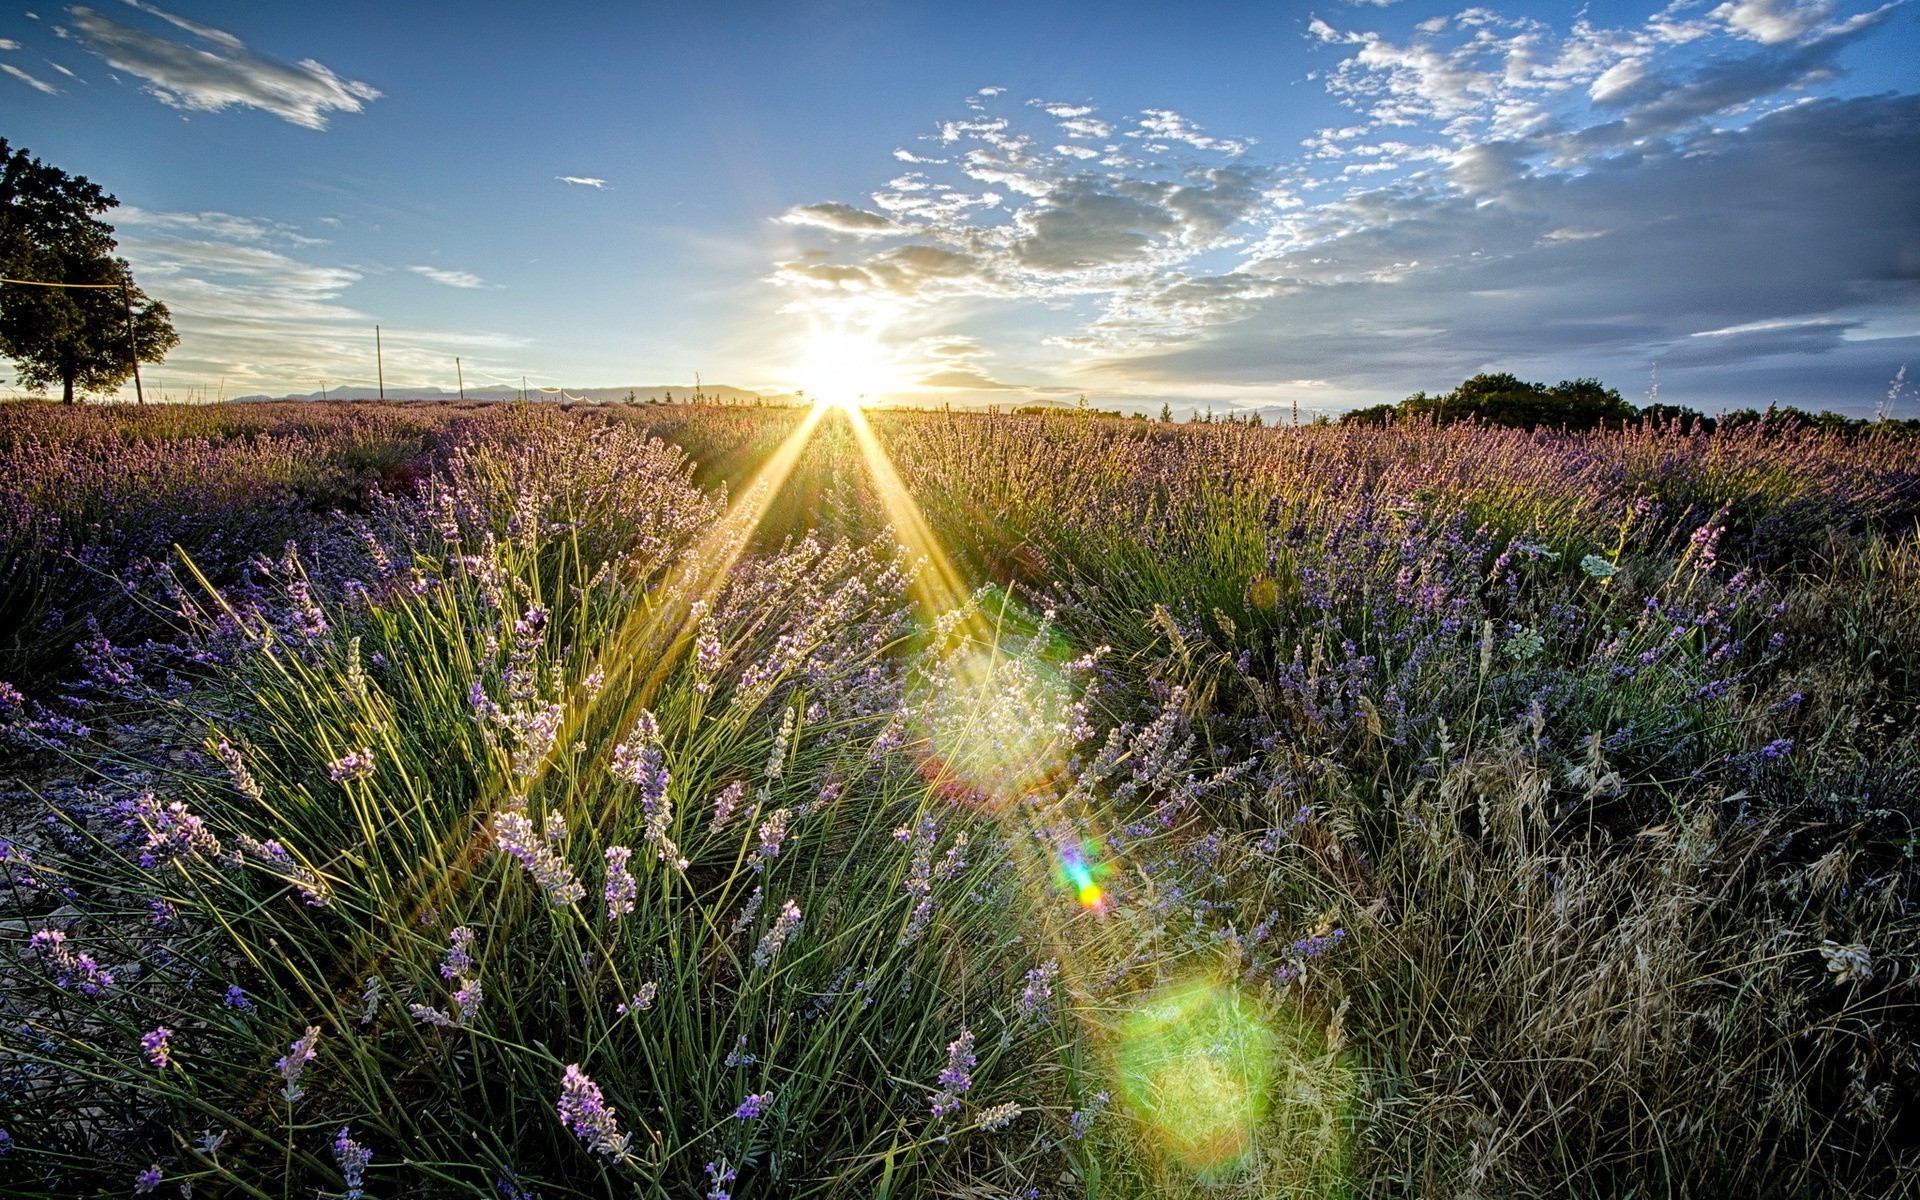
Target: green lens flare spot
x: 1196, y: 1065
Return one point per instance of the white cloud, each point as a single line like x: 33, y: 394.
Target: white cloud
x: 582, y: 181
x: 1771, y: 22
x: 69, y: 74
x: 210, y: 80
x: 9, y: 44
x: 37, y: 84
x: 458, y: 279
x: 842, y: 218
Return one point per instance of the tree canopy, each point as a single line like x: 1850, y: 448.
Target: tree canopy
x: 85, y: 338
x: 1503, y: 399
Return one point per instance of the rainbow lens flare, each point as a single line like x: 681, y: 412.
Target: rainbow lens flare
x: 1079, y: 872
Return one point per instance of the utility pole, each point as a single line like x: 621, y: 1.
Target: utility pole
x: 323, y: 391
x: 133, y: 349
x: 461, y: 375
x: 379, y: 362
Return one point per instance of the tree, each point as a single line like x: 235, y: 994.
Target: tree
x: 87, y: 338
x: 1501, y: 399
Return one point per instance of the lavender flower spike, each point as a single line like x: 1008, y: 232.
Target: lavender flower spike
x: 587, y: 1115
x: 297, y: 1057
x: 621, y: 888
x: 777, y: 934
x: 355, y: 764
x: 353, y: 1159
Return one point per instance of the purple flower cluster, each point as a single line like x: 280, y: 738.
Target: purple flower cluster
x: 641, y: 761
x: 621, y: 888
x: 777, y: 934
x: 1037, y: 992
x: 751, y: 1107
x: 772, y: 832
x: 352, y: 1159
x: 513, y: 835
x: 459, y: 960
x: 170, y: 831
x: 355, y: 764
x: 294, y: 1062
x: 587, y: 1115
x: 158, y: 1048
x: 77, y: 971
x: 956, y: 1078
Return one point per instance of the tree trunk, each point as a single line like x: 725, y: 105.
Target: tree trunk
x: 66, y: 383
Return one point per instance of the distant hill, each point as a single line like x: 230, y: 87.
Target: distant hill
x: 713, y: 393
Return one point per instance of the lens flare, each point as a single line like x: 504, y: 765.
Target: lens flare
x: 1196, y: 1065
x: 1079, y: 872
x: 992, y: 709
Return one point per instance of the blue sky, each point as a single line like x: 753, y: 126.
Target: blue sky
x: 1223, y: 204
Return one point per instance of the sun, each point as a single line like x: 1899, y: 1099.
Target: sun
x: 845, y: 369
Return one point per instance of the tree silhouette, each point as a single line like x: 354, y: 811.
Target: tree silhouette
x: 90, y: 334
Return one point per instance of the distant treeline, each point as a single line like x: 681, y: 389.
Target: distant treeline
x: 1586, y: 404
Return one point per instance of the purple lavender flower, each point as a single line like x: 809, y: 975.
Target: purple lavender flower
x: 640, y: 1001
x: 1032, y: 1004
x: 236, y: 997
x: 353, y: 1159
x: 725, y: 801
x: 621, y: 888
x: 1082, y: 1119
x: 158, y: 1049
x: 513, y: 835
x: 587, y: 1115
x: 777, y: 934
x: 642, y: 762
x: 355, y: 764
x: 1776, y: 749
x: 719, y: 1175
x: 956, y: 1078
x: 146, y: 1180
x: 466, y: 1000
x: 748, y: 911
x: 772, y: 832
x: 919, y: 882
x: 171, y: 831
x: 459, y: 959
x: 71, y: 970
x: 295, y: 1061
x: 752, y: 1106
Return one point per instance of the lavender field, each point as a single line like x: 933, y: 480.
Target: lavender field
x: 684, y: 801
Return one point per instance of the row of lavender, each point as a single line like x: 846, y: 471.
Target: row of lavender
x: 1317, y: 810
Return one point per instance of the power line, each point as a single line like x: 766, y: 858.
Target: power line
x: 126, y: 297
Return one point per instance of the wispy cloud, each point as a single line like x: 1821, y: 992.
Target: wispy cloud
x: 37, y: 84
x: 9, y: 44
x: 226, y: 74
x: 252, y: 309
x: 582, y: 180
x: 459, y: 279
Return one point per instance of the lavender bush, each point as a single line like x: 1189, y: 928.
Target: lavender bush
x: 1295, y: 812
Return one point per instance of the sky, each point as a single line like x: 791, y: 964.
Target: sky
x: 1233, y: 205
